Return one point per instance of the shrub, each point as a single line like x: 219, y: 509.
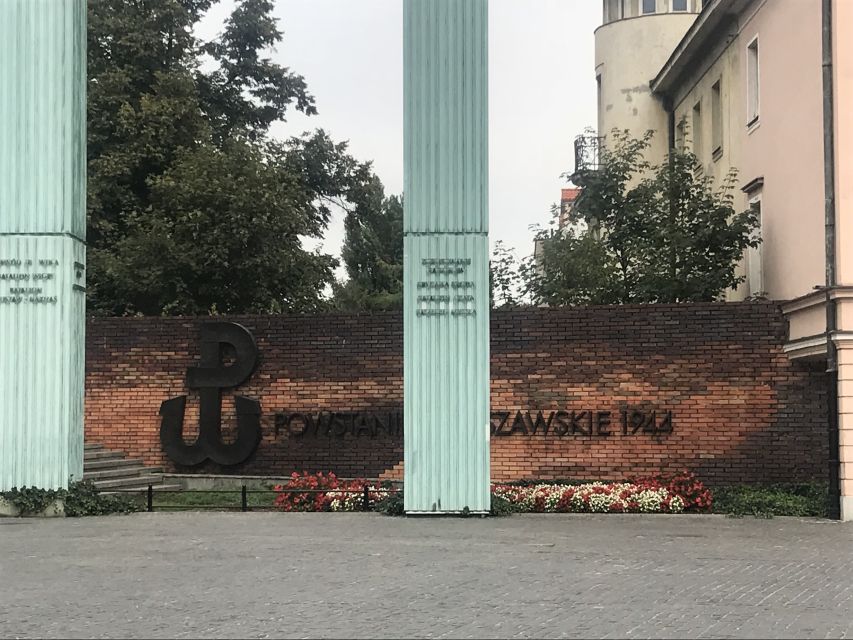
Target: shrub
x: 84, y: 499
x: 501, y: 506
x: 31, y: 501
x: 391, y: 504
x: 800, y: 500
x: 81, y: 499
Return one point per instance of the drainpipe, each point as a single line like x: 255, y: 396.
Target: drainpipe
x: 831, y: 276
x: 670, y: 121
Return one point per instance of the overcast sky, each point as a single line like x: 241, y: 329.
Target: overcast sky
x: 542, y: 85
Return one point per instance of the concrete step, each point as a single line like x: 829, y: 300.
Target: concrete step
x: 121, y: 472
x: 142, y: 479
x: 142, y: 489
x: 102, y: 454
x: 92, y: 446
x: 109, y: 463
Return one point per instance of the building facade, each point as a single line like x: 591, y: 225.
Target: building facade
x: 763, y: 88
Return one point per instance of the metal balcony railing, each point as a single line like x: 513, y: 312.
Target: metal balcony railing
x: 587, y: 149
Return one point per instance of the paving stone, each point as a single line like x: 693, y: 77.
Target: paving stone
x: 261, y: 575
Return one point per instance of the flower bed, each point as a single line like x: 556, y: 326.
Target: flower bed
x: 325, y: 492
x: 662, y: 494
x: 595, y: 497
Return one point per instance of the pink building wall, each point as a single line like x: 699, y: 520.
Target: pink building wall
x: 786, y: 147
x: 843, y: 61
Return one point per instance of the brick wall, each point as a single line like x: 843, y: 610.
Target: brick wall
x: 606, y: 379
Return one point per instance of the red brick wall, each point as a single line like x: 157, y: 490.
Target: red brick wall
x: 741, y: 411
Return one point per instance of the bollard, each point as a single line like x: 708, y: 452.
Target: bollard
x: 150, y: 498
x: 245, y: 499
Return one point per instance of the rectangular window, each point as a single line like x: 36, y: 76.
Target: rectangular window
x: 650, y: 6
x: 754, y: 257
x: 696, y: 132
x: 753, y: 79
x: 613, y: 10
x: 679, y: 5
x: 717, y: 119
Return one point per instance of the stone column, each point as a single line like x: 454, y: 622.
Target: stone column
x: 446, y: 344
x: 42, y: 233
x: 843, y: 92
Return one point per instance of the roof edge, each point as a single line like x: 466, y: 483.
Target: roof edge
x: 715, y: 14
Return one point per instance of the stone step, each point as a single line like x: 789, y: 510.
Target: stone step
x: 121, y: 472
x: 142, y: 479
x: 102, y: 454
x: 142, y: 489
x: 109, y: 463
x: 92, y: 446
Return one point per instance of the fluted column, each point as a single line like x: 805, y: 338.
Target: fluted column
x: 42, y: 240
x: 446, y: 256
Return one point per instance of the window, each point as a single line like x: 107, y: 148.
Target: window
x: 613, y: 10
x: 679, y: 5
x: 754, y: 257
x: 717, y: 119
x: 598, y: 93
x: 681, y: 134
x: 696, y: 125
x: 753, y: 88
x: 649, y: 6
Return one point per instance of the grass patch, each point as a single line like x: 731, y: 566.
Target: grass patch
x: 212, y: 500
x: 800, y: 500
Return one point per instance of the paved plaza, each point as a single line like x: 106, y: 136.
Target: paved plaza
x: 263, y: 575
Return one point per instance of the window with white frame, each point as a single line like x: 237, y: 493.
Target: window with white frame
x: 754, y: 255
x: 696, y: 131
x: 648, y: 6
x: 679, y: 5
x: 717, y: 119
x: 753, y: 80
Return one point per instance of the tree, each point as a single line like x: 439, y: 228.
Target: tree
x: 645, y: 234
x: 372, y: 251
x: 505, y: 278
x: 192, y: 207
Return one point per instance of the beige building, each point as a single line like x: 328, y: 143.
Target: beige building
x: 742, y: 83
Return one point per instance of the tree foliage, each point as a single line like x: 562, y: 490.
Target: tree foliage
x: 506, y: 277
x: 644, y: 234
x: 372, y: 251
x: 193, y: 208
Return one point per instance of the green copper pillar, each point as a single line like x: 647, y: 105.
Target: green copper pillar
x: 42, y: 232
x: 446, y: 344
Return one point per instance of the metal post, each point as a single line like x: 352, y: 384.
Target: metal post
x: 244, y: 499
x: 366, y: 498
x: 150, y: 498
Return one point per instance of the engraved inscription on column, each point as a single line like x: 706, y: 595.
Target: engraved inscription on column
x: 28, y: 281
x: 445, y: 289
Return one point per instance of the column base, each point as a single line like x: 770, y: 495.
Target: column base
x: 847, y: 508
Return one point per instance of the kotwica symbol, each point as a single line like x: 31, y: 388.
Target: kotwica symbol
x: 209, y: 380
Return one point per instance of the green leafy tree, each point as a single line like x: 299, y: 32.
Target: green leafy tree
x: 644, y: 234
x: 505, y: 278
x: 573, y: 267
x: 372, y: 251
x: 192, y: 207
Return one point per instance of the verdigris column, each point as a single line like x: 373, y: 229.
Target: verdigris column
x: 42, y: 232
x: 446, y: 344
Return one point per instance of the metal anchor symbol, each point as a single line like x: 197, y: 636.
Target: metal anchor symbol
x: 210, y: 379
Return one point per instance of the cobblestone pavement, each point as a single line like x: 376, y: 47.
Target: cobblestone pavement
x: 353, y: 575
